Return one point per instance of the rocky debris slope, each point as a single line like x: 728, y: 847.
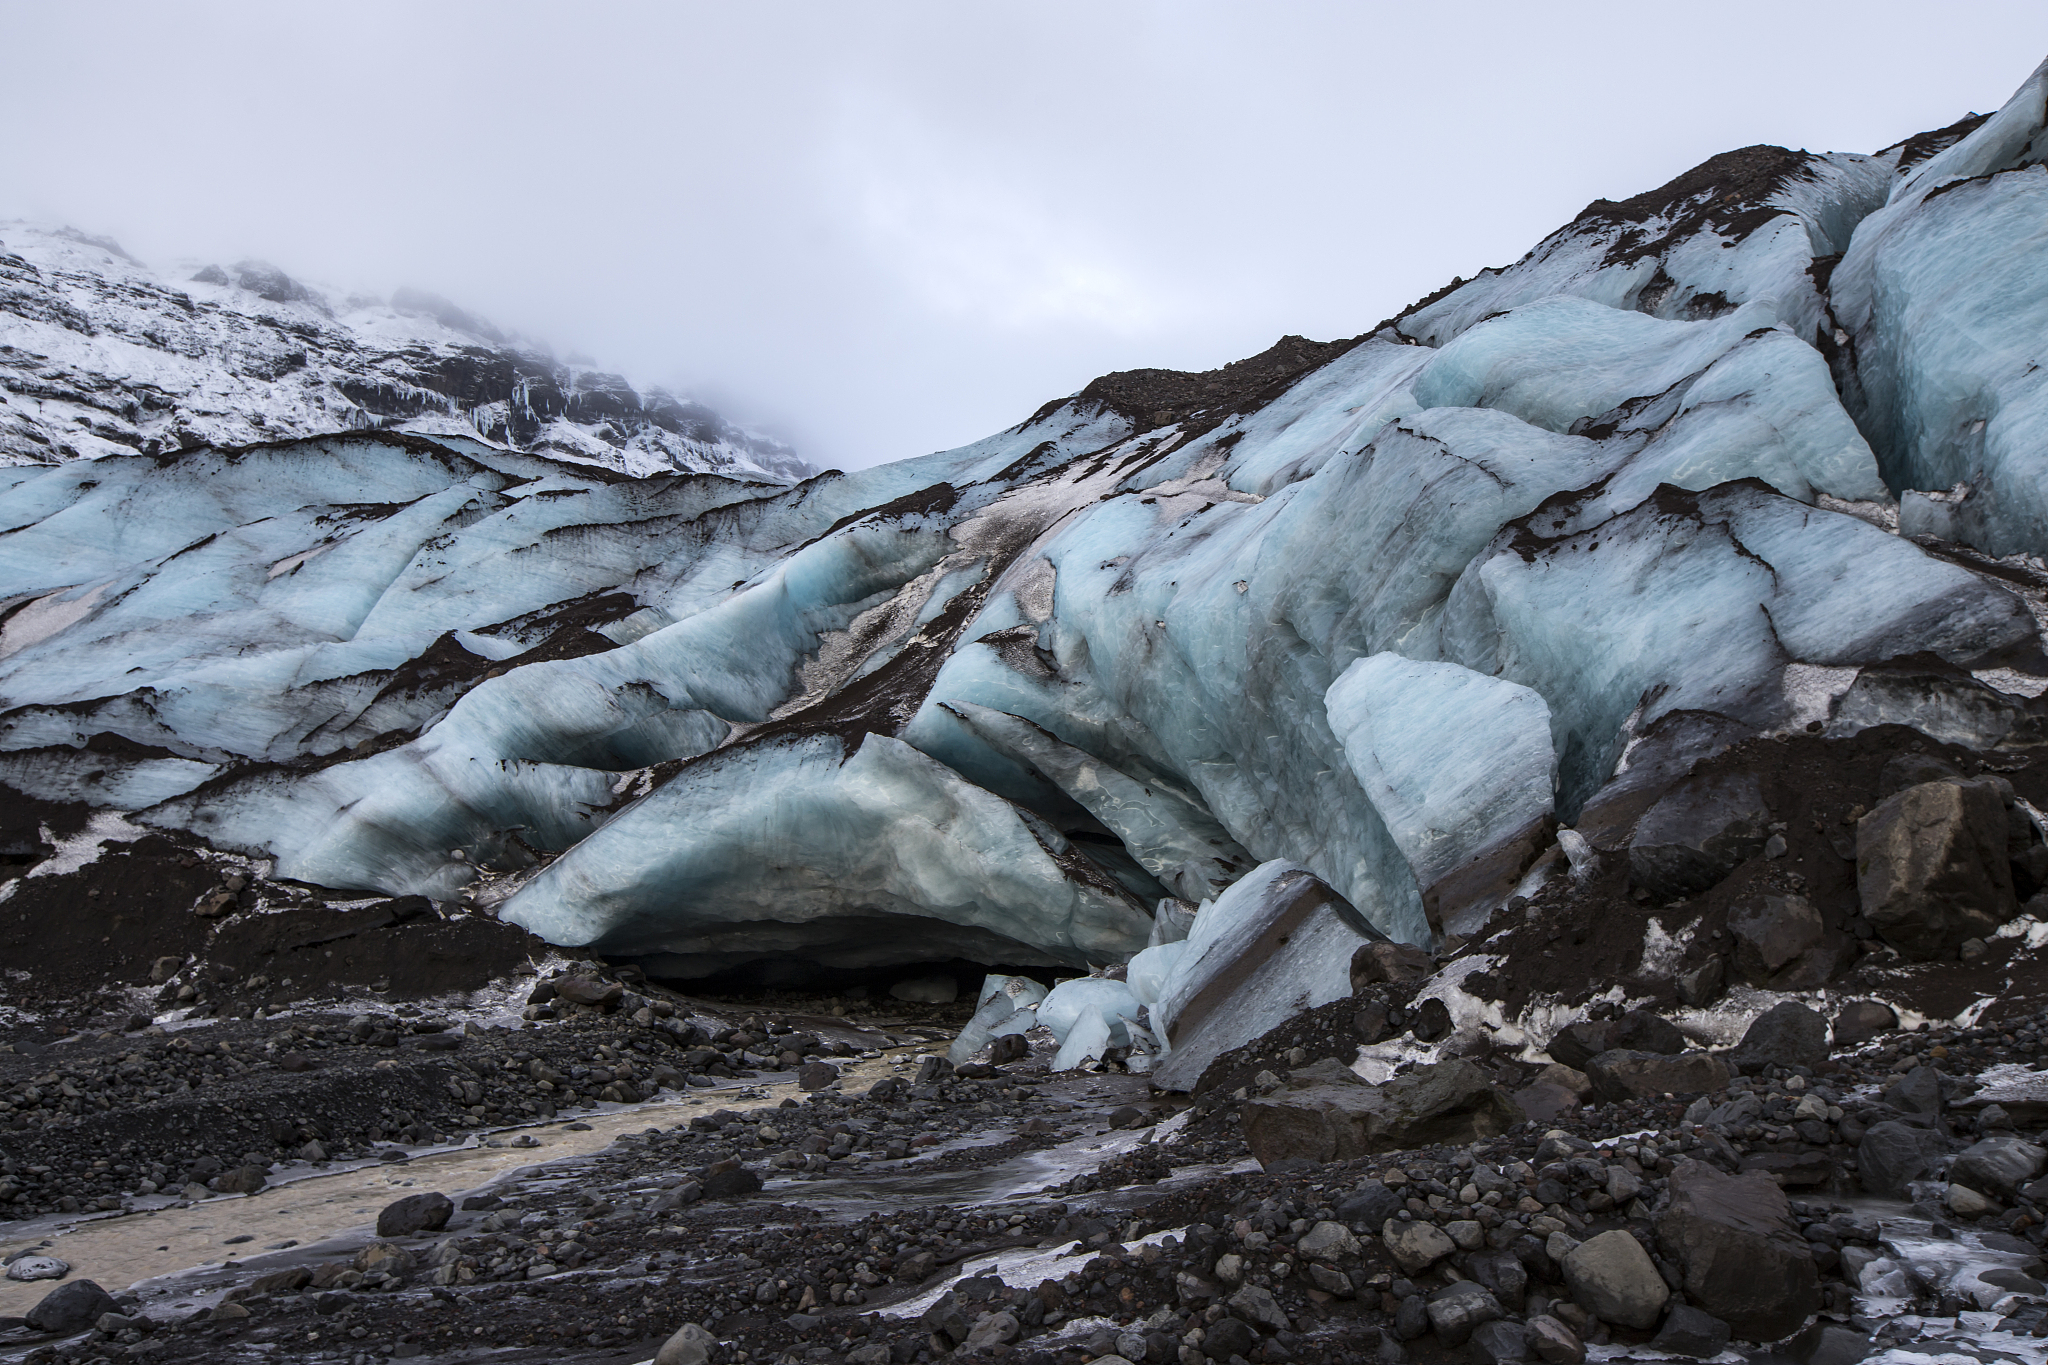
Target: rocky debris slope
x: 101, y: 355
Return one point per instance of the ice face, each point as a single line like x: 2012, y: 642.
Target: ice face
x: 1939, y: 300
x: 1450, y: 758
x: 1275, y: 944
x: 1320, y: 637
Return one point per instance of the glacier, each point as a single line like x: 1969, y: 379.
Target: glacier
x: 1352, y: 637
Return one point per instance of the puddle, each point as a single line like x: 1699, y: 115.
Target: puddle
x: 333, y: 1213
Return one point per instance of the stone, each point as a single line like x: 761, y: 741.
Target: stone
x: 1701, y: 985
x: 1689, y: 1332
x: 1771, y: 932
x: 416, y: 1213
x: 242, y: 1180
x: 1614, y: 1279
x: 1787, y: 1034
x: 1738, y: 1250
x: 578, y: 990
x: 1469, y: 1234
x: 1388, y: 961
x: 734, y: 1180
x: 1503, y: 1275
x: 1451, y: 1102
x: 1859, y: 1021
x: 1227, y: 1337
x: 1619, y: 1075
x: 1371, y: 1203
x: 71, y: 1307
x: 1411, y: 1317
x: 1698, y: 833
x: 1894, y: 1153
x: 1547, y: 1102
x: 1919, y: 1091
x: 1576, y: 1044
x: 1999, y: 1165
x: 1965, y: 1202
x: 1257, y: 1306
x: 992, y: 1329
x: 1931, y: 867
x: 1794, y: 1170
x: 1457, y: 1309
x: 1499, y: 1342
x: 29, y: 1268
x: 1415, y: 1246
x: 689, y: 1345
x: 1642, y: 1031
x: 1555, y: 1343
x: 945, y: 1317
x: 1910, y: 770
x: 1010, y: 1047
x: 1327, y: 1240
x: 817, y: 1075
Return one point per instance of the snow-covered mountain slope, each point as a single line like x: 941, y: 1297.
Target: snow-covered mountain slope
x: 101, y: 355
x: 1386, y: 609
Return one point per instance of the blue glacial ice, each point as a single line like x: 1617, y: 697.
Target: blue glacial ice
x: 1318, y: 634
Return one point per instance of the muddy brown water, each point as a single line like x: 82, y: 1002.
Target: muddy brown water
x: 331, y: 1214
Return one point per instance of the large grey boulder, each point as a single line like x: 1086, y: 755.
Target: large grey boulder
x: 1893, y: 1153
x: 1331, y: 1119
x: 1698, y: 833
x: 1739, y: 1251
x: 71, y: 1307
x: 415, y: 1213
x: 1859, y: 1021
x: 1931, y: 868
x: 1614, y: 1279
x: 1415, y: 1246
x: 688, y: 1345
x: 1998, y: 1165
x: 1786, y: 1034
x: 1457, y: 1309
x: 1621, y: 1075
x: 1774, y: 933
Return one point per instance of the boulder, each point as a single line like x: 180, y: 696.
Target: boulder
x: 1555, y: 1343
x: 1327, y: 1240
x: 817, y: 1075
x: 242, y: 1180
x: 1415, y: 1246
x: 1771, y: 933
x: 1334, y: 1120
x: 1504, y: 1276
x: 1739, y: 1251
x: 30, y: 1268
x: 1500, y: 1341
x: 1998, y: 1165
x: 1457, y: 1309
x: 1642, y: 1031
x: 1699, y: 832
x: 1547, y: 1101
x: 1227, y: 1337
x: 1620, y: 1075
x: 725, y: 1179
x: 1689, y: 1332
x: 1931, y: 867
x: 1859, y: 1021
x: 1576, y: 1044
x: 580, y: 990
x: 415, y: 1213
x: 1371, y: 1204
x: 1787, y: 1034
x: 690, y: 1345
x: 1920, y: 1091
x: 71, y: 1307
x: 1893, y: 1153
x: 1614, y: 1279
x: 1387, y: 961
x: 1697, y: 986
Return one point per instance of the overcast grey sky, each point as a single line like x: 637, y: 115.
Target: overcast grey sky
x: 882, y: 229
